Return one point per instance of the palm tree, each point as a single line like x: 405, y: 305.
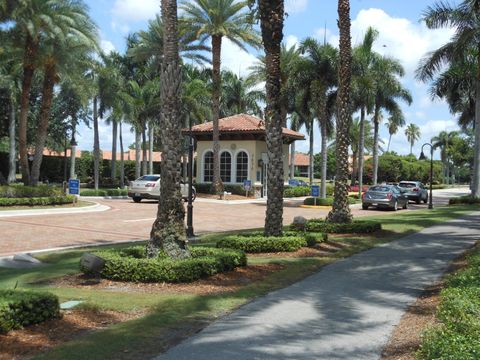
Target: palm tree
x: 217, y: 19
x: 355, y: 133
x: 412, y: 132
x: 395, y: 121
x: 387, y: 91
x: 462, y: 49
x: 340, y: 212
x: 316, y: 74
x: 238, y: 96
x: 443, y: 141
x: 271, y: 22
x: 168, y: 230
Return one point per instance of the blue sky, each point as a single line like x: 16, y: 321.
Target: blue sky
x: 402, y: 36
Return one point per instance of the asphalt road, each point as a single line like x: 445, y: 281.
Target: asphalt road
x: 127, y: 221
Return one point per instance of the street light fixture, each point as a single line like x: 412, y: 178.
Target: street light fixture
x: 423, y: 157
x: 190, y: 232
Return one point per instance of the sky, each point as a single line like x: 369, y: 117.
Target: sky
x: 401, y: 36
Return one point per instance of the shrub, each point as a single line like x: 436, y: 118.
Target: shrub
x: 355, y: 227
x: 296, y: 191
x: 20, y: 191
x: 464, y: 200
x: 257, y: 243
x: 21, y: 308
x: 40, y: 201
x: 324, y: 201
x: 104, y: 192
x: 131, y: 265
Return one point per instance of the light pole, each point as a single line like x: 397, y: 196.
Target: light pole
x: 190, y: 232
x: 423, y: 157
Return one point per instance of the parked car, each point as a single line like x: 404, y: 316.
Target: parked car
x: 415, y: 191
x: 296, y: 182
x: 148, y: 187
x: 389, y: 196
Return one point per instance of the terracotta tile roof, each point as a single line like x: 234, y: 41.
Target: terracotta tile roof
x: 302, y: 159
x: 242, y: 123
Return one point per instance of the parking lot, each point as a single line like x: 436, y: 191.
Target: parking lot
x: 127, y: 221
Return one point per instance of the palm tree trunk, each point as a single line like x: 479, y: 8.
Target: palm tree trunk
x: 389, y: 140
x: 12, y: 156
x: 113, y: 173
x: 340, y: 212
x: 96, y: 145
x: 144, y: 150
x: 137, y: 153
x: 354, y: 166
x: 42, y: 130
x: 361, y: 149
x: 323, y: 130
x: 292, y: 160
x: 376, y: 121
x: 310, y: 154
x: 73, y: 153
x: 217, y: 88
x: 31, y: 50
x: 271, y: 22
x: 150, y: 148
x: 168, y: 230
x: 122, y: 157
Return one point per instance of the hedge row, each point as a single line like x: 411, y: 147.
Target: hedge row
x: 261, y: 244
x: 457, y: 336
x: 132, y: 265
x: 296, y: 191
x: 355, y: 227
x: 206, y: 188
x: 20, y: 191
x: 104, y: 192
x: 21, y: 308
x: 324, y: 201
x: 464, y: 200
x: 37, y: 201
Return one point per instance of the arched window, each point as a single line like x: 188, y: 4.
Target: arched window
x: 226, y: 167
x: 208, y: 166
x: 242, y: 167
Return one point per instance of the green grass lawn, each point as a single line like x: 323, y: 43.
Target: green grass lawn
x: 183, y: 314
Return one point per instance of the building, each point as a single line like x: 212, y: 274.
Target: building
x: 301, y: 165
x: 243, y: 151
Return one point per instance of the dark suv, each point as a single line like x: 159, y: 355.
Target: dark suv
x: 414, y: 190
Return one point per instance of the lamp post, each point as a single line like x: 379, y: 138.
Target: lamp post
x: 190, y: 232
x: 423, y: 157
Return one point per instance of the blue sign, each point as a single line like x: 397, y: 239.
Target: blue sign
x: 74, y: 187
x: 247, y: 184
x: 315, y: 190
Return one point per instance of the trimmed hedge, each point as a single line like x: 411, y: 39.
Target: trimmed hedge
x: 296, y: 191
x: 257, y: 243
x: 20, y: 308
x: 20, y: 191
x: 37, y: 201
x: 355, y: 227
x: 206, y: 188
x: 324, y: 201
x: 469, y: 200
x: 104, y: 192
x: 131, y: 265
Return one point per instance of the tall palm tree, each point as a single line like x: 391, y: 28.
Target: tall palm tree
x: 316, y: 74
x: 168, y: 230
x: 271, y: 14
x: 217, y: 19
x: 461, y: 49
x: 388, y: 90
x: 443, y: 141
x: 355, y: 133
x: 340, y: 212
x: 395, y: 121
x: 412, y: 132
x: 238, y: 96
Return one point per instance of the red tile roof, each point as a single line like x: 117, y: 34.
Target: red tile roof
x: 302, y: 159
x: 242, y: 123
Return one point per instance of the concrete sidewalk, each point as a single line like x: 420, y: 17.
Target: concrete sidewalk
x: 346, y: 311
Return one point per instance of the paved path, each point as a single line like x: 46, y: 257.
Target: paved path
x: 346, y: 311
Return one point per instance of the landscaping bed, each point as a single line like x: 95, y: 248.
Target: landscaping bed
x: 320, y: 225
x: 256, y: 242
x: 42, y: 195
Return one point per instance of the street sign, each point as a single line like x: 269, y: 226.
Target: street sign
x: 315, y: 190
x: 74, y: 187
x: 247, y: 185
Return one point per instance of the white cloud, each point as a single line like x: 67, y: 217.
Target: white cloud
x: 107, y: 46
x: 295, y: 6
x: 291, y: 40
x: 85, y: 136
x: 135, y: 10
x: 235, y: 59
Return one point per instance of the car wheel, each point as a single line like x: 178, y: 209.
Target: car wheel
x: 425, y: 200
x: 194, y: 195
x: 395, y: 206
x: 417, y: 201
x: 137, y: 199
x: 365, y: 206
x: 405, y: 206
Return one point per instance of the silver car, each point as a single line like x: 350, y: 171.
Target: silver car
x: 390, y: 196
x: 415, y: 191
x: 148, y: 187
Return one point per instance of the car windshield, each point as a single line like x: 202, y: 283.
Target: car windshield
x: 407, y: 185
x: 148, y: 178
x: 380, y: 188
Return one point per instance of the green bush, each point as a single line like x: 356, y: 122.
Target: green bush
x: 20, y: 191
x: 464, y: 200
x: 296, y: 191
x: 323, y: 201
x: 21, y: 308
x: 132, y: 265
x: 261, y: 244
x: 104, y: 192
x: 37, y: 201
x: 355, y: 227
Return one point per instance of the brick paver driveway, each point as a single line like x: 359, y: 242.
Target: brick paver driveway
x: 126, y: 221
